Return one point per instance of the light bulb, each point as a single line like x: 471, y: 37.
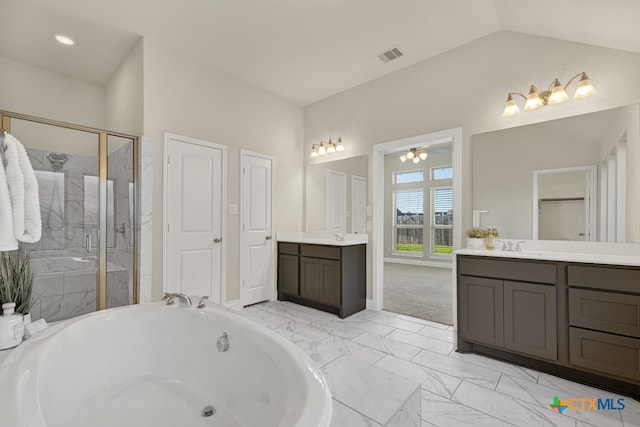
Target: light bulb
x: 339, y: 146
x: 403, y: 158
x: 416, y: 159
x: 331, y: 148
x: 557, y: 93
x: 410, y: 154
x: 423, y: 155
x: 322, y: 150
x: 533, y: 99
x: 585, y: 88
x: 510, y: 107
x: 314, y: 151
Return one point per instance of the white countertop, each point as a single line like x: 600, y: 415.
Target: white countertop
x: 588, y: 254
x: 319, y: 238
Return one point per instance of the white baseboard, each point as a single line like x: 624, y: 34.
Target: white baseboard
x: 448, y: 264
x: 234, y: 305
x: 370, y: 305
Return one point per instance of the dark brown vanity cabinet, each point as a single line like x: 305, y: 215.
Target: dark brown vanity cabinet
x: 576, y: 320
x: 329, y: 278
x: 518, y: 314
x: 604, y: 319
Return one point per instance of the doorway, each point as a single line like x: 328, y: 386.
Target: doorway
x: 380, y: 212
x: 194, y: 243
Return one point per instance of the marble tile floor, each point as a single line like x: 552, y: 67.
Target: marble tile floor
x: 373, y: 361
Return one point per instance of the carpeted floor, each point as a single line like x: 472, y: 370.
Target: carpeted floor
x: 424, y: 292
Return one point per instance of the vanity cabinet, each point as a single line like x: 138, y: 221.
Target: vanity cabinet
x: 604, y: 319
x: 329, y: 278
x: 518, y: 315
x: 576, y: 320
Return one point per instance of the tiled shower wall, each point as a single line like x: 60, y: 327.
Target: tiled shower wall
x: 65, y: 288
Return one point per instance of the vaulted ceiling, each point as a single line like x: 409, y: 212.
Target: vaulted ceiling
x: 301, y: 50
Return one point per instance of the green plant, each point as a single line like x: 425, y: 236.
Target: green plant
x: 476, y: 233
x: 16, y: 279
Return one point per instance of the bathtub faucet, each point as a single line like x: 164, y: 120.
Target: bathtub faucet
x: 185, y: 301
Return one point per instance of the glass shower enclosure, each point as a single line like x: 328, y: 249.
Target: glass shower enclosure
x: 87, y: 257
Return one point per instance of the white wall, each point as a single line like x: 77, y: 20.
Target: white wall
x: 184, y: 97
x: 37, y: 92
x: 124, y: 101
x: 467, y: 88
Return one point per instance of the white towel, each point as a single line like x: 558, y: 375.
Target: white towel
x: 8, y: 241
x: 23, y: 190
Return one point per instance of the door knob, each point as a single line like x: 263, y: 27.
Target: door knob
x: 267, y: 237
x: 217, y: 240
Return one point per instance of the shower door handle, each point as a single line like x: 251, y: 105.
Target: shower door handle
x: 87, y: 242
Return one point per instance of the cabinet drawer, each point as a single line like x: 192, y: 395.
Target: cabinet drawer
x: 604, y: 277
x: 320, y: 251
x: 288, y: 248
x: 607, y: 353
x: 509, y: 270
x: 605, y: 311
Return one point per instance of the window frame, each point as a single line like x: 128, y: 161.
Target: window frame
x: 394, y: 181
x: 433, y: 168
x: 432, y: 219
x: 395, y: 226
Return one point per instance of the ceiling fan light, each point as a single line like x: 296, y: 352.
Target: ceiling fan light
x: 510, y: 107
x: 403, y: 158
x: 585, y: 88
x: 557, y: 93
x: 423, y: 155
x: 416, y: 159
x: 410, y: 154
x: 533, y: 99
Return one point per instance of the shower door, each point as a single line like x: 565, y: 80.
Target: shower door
x: 85, y: 260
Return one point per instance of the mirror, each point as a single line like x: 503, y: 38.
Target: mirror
x: 576, y: 178
x: 336, y: 196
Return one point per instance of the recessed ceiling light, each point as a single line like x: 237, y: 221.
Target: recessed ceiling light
x: 65, y: 40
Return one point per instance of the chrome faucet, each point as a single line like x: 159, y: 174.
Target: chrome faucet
x: 339, y: 237
x: 203, y: 302
x: 185, y: 301
x: 518, y: 248
x: 507, y: 246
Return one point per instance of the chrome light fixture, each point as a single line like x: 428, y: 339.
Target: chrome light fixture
x: 415, y: 155
x: 319, y: 150
x: 555, y: 95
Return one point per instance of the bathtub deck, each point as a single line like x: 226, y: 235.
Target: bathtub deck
x: 373, y: 359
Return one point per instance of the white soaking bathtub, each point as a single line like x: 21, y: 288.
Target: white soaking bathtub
x: 158, y: 365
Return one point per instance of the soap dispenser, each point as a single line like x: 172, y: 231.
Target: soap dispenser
x: 11, y: 327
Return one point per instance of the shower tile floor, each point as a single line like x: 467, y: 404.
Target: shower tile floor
x: 387, y: 369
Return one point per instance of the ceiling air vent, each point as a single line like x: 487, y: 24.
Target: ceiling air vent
x: 390, y: 55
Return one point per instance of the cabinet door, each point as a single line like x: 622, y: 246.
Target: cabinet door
x: 481, y: 310
x: 309, y: 277
x: 329, y: 290
x: 530, y: 319
x: 288, y: 274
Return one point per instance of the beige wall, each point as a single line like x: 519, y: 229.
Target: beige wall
x: 467, y: 88
x: 124, y: 101
x: 186, y: 98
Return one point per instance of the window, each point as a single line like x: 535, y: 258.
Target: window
x: 441, y: 220
x: 408, y: 222
x: 445, y: 172
x: 409, y: 176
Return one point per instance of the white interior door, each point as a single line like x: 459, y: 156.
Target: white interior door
x: 256, y: 269
x: 359, y: 204
x: 336, y: 202
x: 193, y: 217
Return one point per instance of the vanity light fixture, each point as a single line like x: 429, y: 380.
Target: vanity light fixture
x: 555, y: 95
x: 319, y: 150
x: 415, y: 155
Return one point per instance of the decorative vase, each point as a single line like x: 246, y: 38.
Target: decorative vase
x: 26, y: 318
x: 474, y: 243
x: 490, y: 242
